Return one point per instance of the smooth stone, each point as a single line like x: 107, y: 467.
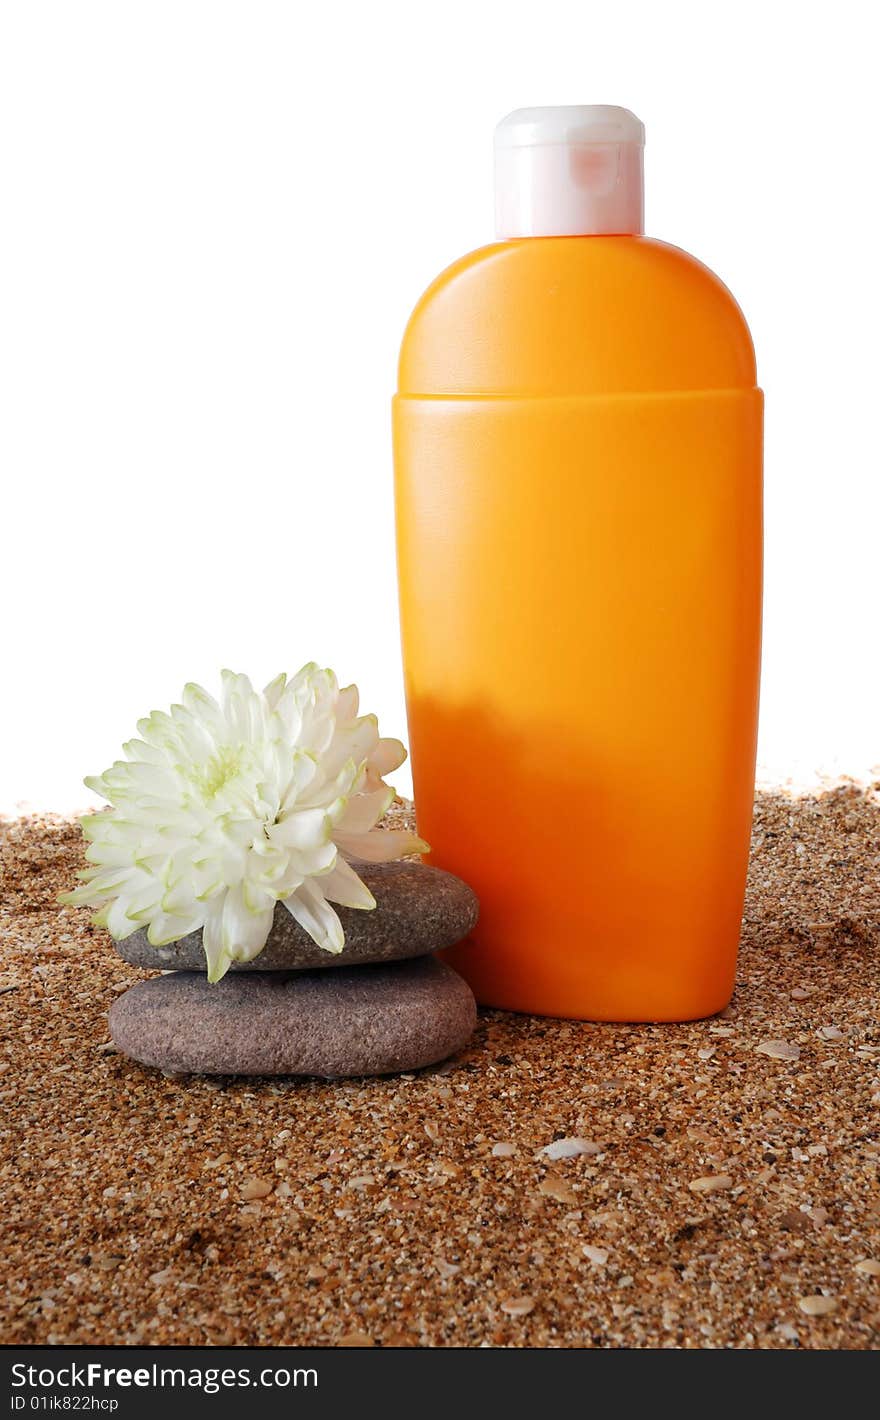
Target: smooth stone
x: 360, y: 1020
x: 418, y: 910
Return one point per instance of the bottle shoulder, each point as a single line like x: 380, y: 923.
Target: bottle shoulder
x: 576, y: 315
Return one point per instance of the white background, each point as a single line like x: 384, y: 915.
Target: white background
x: 216, y: 218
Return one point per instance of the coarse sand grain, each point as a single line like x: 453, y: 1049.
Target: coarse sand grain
x: 732, y: 1201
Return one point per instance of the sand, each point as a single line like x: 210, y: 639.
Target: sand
x: 725, y: 1193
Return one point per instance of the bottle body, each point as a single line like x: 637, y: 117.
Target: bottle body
x: 579, y: 551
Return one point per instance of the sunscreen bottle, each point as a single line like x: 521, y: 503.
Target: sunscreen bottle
x: 577, y: 436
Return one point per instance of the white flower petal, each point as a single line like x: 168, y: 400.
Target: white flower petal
x: 236, y: 700
x: 275, y: 689
x: 304, y: 676
x: 117, y: 921
x: 202, y: 706
x: 103, y: 883
x: 364, y: 811
x: 348, y: 781
x: 342, y: 885
x: 347, y: 704
x: 311, y: 910
x: 243, y: 931
x: 315, y: 862
x: 380, y: 845
x: 303, y: 770
x: 305, y: 829
x: 180, y: 900
x: 143, y: 753
x: 356, y: 742
x: 258, y: 893
x: 386, y: 757
x: 212, y: 941
x: 109, y: 855
x: 159, y: 730
x: 196, y: 738
x: 166, y: 927
x: 143, y: 904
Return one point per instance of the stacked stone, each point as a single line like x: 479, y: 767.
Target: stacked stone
x: 384, y: 1004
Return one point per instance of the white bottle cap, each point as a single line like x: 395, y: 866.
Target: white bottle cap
x: 565, y: 172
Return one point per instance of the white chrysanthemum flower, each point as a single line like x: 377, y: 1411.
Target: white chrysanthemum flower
x: 221, y: 810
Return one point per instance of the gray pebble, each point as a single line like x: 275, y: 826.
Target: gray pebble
x: 418, y: 910
x: 363, y: 1020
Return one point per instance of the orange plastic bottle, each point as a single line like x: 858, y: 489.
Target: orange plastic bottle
x: 578, y: 483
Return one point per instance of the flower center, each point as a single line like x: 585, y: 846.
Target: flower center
x: 212, y: 776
